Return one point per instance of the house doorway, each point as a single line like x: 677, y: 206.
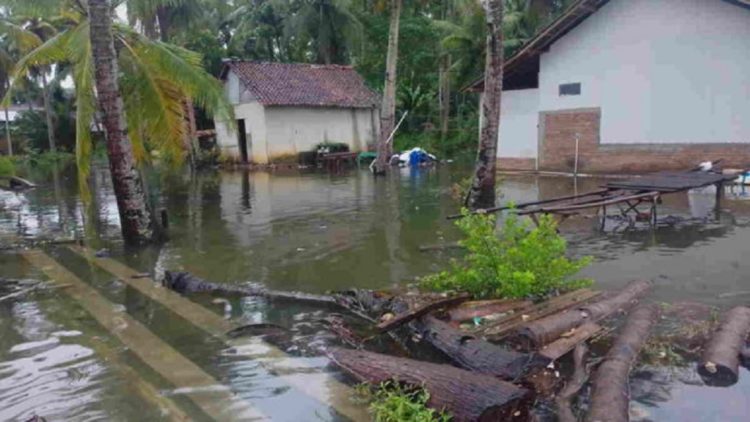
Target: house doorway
x: 242, y: 140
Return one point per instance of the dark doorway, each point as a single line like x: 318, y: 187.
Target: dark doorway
x: 242, y: 139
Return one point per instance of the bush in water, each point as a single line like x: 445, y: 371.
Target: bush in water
x: 7, y: 168
x: 520, y: 262
x: 393, y: 402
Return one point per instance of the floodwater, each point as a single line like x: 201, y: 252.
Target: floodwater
x: 311, y: 232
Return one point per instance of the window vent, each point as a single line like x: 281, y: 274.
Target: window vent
x: 570, y: 89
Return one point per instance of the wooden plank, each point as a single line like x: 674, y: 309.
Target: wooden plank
x: 483, y: 308
x: 566, y: 343
x: 420, y: 311
x: 219, y: 404
x: 327, y: 389
x: 605, y: 201
x: 497, y: 329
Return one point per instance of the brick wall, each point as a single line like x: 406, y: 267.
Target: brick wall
x: 558, y: 131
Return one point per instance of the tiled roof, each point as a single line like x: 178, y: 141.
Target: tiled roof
x: 295, y: 84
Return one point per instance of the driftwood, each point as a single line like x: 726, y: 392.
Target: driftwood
x: 466, y: 395
x: 566, y: 343
x: 470, y: 352
x: 573, y: 386
x: 17, y: 183
x: 498, y: 329
x: 610, y: 396
x: 721, y: 359
x: 421, y: 310
x: 483, y: 308
x: 187, y: 283
x: 546, y: 330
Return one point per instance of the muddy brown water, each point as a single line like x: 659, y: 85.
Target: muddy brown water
x: 316, y: 232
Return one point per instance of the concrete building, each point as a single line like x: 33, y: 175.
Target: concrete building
x: 284, y: 109
x: 639, y: 85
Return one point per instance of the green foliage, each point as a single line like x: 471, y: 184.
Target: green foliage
x: 46, y: 159
x: 519, y: 262
x: 393, y: 402
x: 7, y: 167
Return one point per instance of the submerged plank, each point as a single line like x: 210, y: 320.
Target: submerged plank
x: 327, y: 390
x: 218, y: 403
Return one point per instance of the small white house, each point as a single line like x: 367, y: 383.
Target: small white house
x: 633, y: 86
x: 284, y: 109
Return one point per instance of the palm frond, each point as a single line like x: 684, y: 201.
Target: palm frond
x: 52, y: 51
x: 79, y: 51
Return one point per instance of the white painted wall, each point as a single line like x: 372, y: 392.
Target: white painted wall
x: 519, y: 117
x: 255, y: 127
x: 666, y: 71
x: 297, y: 129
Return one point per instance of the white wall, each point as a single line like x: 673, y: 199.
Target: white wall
x: 255, y: 127
x: 666, y: 71
x: 292, y: 130
x: 519, y: 117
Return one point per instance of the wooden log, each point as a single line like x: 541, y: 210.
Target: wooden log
x: 183, y: 282
x: 573, y: 386
x: 566, y: 343
x: 483, y: 308
x: 610, y: 395
x: 719, y: 365
x: 421, y: 310
x: 472, y: 353
x: 498, y: 329
x: 546, y: 330
x: 466, y: 395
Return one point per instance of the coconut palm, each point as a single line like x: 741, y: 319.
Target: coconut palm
x: 154, y: 80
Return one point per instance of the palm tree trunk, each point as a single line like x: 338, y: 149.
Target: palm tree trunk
x: 165, y: 22
x: 135, y: 219
x: 445, y: 95
x: 191, y: 138
x: 482, y: 193
x: 48, y: 113
x: 7, y: 132
x: 388, y: 108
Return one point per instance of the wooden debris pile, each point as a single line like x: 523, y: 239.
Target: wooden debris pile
x: 501, y: 352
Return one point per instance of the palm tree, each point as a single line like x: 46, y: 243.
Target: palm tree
x: 482, y: 193
x: 135, y: 219
x: 154, y: 79
x: 14, y: 40
x: 388, y: 106
x: 333, y: 29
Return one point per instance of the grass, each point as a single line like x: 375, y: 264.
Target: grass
x: 7, y: 166
x: 394, y: 402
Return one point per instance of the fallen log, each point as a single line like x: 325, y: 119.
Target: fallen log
x: 472, y: 353
x: 721, y: 359
x: 573, y: 386
x: 546, y: 330
x: 466, y: 395
x: 183, y: 282
x: 420, y: 311
x: 610, y: 395
x: 483, y: 308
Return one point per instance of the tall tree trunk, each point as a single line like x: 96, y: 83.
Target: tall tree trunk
x: 48, y: 113
x: 7, y: 132
x: 135, y: 219
x: 482, y: 193
x: 388, y: 109
x: 165, y: 22
x: 445, y: 95
x: 191, y: 138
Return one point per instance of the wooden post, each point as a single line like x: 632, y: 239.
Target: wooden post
x: 719, y: 194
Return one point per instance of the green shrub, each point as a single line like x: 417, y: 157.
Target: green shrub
x: 392, y: 402
x: 520, y: 262
x: 7, y: 168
